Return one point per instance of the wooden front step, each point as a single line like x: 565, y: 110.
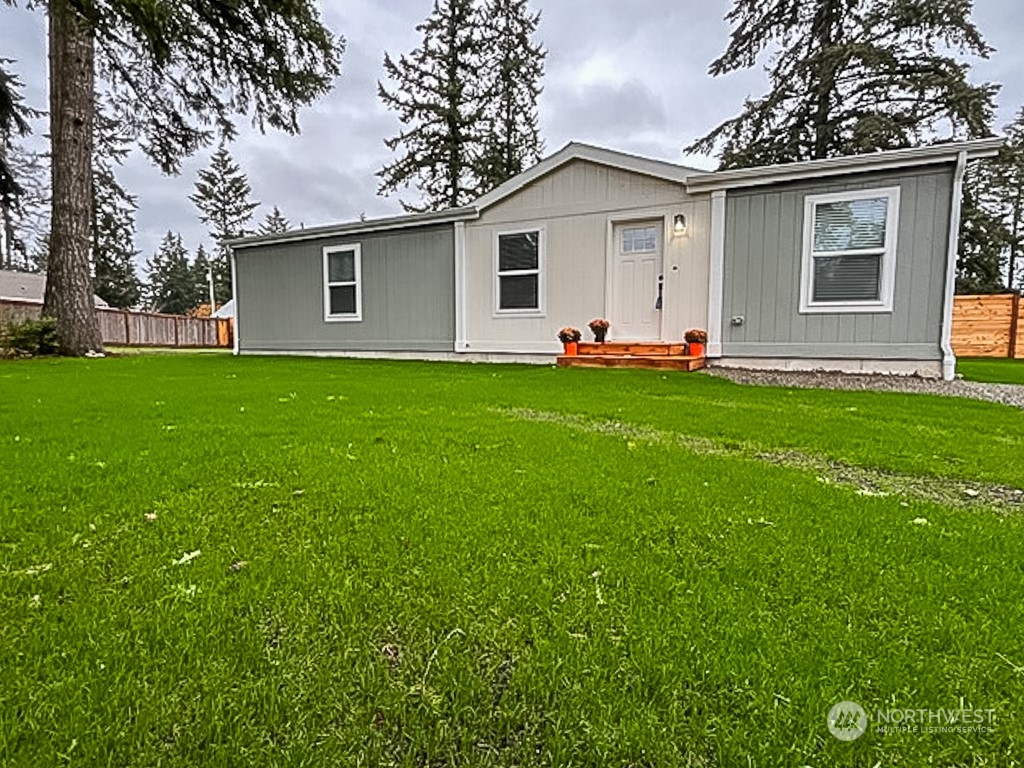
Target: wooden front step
x: 642, y: 348
x: 656, y: 361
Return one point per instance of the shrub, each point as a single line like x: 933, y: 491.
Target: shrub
x: 31, y: 337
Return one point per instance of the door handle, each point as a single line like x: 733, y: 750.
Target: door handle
x: 661, y: 290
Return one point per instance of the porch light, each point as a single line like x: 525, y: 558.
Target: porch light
x: 679, y: 225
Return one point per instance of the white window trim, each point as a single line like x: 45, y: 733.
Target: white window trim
x: 887, y: 288
x: 356, y: 317
x: 542, y: 240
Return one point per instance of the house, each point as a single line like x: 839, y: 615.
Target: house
x: 28, y: 288
x: 21, y: 296
x: 844, y: 264
x: 225, y: 311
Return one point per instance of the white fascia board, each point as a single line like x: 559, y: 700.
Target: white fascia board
x: 878, y: 161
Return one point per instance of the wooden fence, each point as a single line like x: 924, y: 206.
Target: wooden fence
x: 140, y: 329
x: 988, y: 326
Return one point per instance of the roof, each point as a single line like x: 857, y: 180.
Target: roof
x: 355, y: 227
x: 659, y: 169
x: 693, y: 179
x: 834, y: 166
x: 225, y: 310
x: 28, y: 287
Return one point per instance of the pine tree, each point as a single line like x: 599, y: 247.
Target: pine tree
x: 851, y: 76
x: 201, y: 279
x: 25, y: 220
x: 274, y: 223
x: 178, y: 73
x: 984, y: 237
x: 19, y: 172
x: 172, y: 286
x: 222, y: 197
x: 1009, y: 176
x: 514, y: 64
x: 13, y: 122
x: 992, y: 235
x: 113, y: 252
x: 438, y: 95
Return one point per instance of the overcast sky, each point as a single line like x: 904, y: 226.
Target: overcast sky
x: 625, y: 75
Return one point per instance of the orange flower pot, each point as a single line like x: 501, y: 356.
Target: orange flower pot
x: 696, y: 349
x: 572, y: 348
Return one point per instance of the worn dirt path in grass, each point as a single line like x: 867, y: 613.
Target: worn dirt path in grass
x: 865, y: 480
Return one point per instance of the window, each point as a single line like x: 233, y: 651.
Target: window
x: 519, y: 272
x: 343, y: 295
x: 640, y: 240
x: 849, y: 261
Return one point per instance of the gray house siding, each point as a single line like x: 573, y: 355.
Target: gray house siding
x: 408, y: 295
x: 763, y: 256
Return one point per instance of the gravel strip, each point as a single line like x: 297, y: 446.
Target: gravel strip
x: 1007, y: 394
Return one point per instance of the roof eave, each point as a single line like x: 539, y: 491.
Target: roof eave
x: 877, y: 161
x: 357, y: 227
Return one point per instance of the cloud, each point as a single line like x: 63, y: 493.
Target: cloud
x: 630, y: 76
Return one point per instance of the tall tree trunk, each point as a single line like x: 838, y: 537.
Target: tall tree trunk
x: 69, y: 293
x: 823, y: 31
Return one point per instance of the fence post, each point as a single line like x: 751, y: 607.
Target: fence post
x: 127, y: 330
x: 1014, y: 320
x: 176, y: 342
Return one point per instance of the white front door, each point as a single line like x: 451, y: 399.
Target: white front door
x: 637, y: 282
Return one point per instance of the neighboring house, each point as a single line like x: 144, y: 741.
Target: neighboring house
x: 845, y: 264
x: 28, y: 288
x: 225, y: 311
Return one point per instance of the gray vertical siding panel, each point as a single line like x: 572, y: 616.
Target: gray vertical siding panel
x: 787, y: 280
x: 764, y: 243
x: 408, y: 288
x: 755, y: 266
x: 937, y: 283
x: 738, y: 243
x: 769, y: 275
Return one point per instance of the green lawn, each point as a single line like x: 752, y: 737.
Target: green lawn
x: 996, y: 370
x: 379, y: 563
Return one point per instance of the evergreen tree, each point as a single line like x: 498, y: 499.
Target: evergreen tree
x: 201, y: 279
x: 222, y: 197
x: 178, y: 72
x: 25, y: 219
x: 514, y: 64
x: 984, y: 237
x: 113, y: 252
x: 19, y: 176
x: 851, y: 76
x: 1009, y: 181
x: 172, y: 286
x: 438, y: 95
x: 274, y: 224
x: 13, y: 122
x: 992, y: 234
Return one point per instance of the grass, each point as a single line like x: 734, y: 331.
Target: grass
x: 995, y: 370
x: 373, y: 563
